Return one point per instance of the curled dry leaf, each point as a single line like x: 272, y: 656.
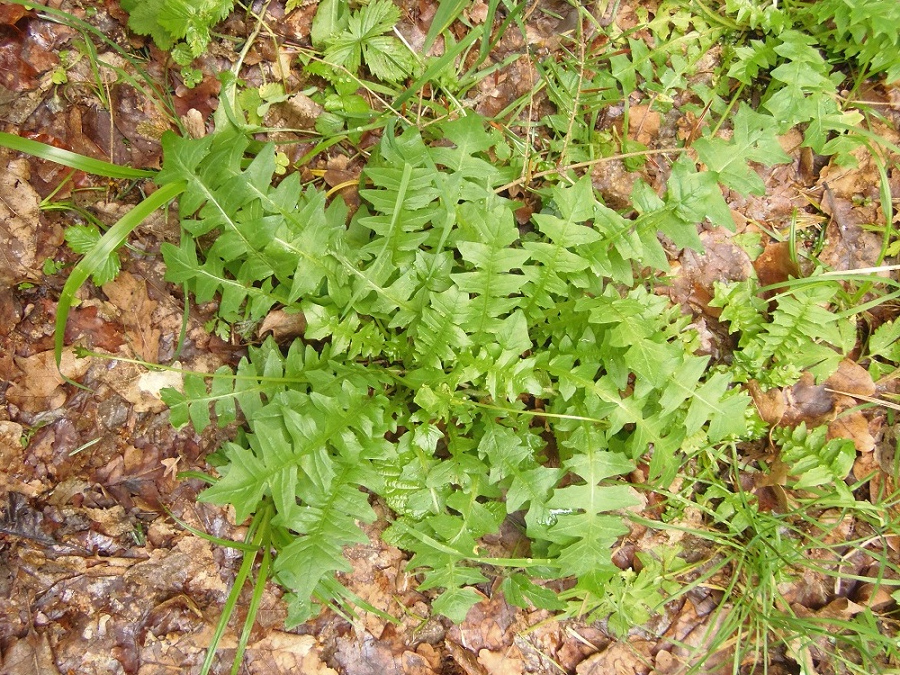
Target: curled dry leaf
x: 721, y: 260
x: 775, y: 265
x: 851, y: 378
x: 848, y: 246
x: 29, y: 655
x: 643, y: 124
x: 14, y: 476
x: 874, y: 596
x: 803, y: 402
x: 771, y: 405
x: 284, y: 326
x: 298, y: 112
x: 854, y: 426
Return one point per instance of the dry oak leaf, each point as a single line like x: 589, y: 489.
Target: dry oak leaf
x: 40, y: 388
x: 12, y: 459
x: 771, y: 405
x: 855, y: 427
x: 852, y: 379
x: 128, y: 294
x: 283, y: 325
x: 281, y: 652
x: 29, y: 655
x: 509, y: 662
x: 19, y: 215
x: 848, y: 381
x: 620, y: 658
x: 643, y: 124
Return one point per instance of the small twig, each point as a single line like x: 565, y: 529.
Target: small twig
x: 863, y: 397
x: 590, y: 162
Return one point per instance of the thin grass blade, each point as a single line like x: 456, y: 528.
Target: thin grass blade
x: 108, y: 243
x: 98, y: 167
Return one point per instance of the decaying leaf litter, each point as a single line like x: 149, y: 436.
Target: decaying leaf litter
x: 101, y: 580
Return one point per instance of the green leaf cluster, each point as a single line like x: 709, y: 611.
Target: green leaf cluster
x: 464, y: 367
x: 800, y: 333
x: 180, y: 26
x: 84, y: 238
x: 812, y: 458
x: 353, y: 38
x: 860, y: 33
x: 867, y: 33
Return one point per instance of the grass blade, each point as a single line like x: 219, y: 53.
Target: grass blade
x: 436, y: 67
x: 98, y: 167
x: 448, y: 12
x: 109, y: 242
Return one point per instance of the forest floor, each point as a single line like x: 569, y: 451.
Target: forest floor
x: 96, y: 577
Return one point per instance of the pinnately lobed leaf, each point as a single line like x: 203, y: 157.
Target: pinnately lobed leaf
x: 448, y: 353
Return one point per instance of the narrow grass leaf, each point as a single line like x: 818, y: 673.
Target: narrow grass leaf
x: 98, y: 256
x: 98, y: 167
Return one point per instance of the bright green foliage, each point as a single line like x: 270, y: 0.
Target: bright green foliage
x: 759, y: 14
x: 83, y: 238
x: 753, y: 140
x: 261, y: 253
x: 884, y: 349
x: 441, y: 324
x: 359, y: 37
x: 812, y: 458
x: 803, y: 86
x: 182, y: 26
x: 627, y: 599
x: 801, y: 333
x: 864, y: 31
x: 860, y: 32
x: 802, y: 79
x: 466, y: 367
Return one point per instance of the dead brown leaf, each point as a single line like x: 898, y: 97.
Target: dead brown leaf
x: 488, y: 625
x: 298, y: 112
x: 508, y: 662
x: 854, y: 426
x: 281, y: 652
x: 19, y: 215
x: 15, y: 477
x: 25, y: 52
x: 848, y: 381
x: 771, y: 405
x: 721, y: 260
x: 614, y: 183
x: 10, y: 14
x: 128, y: 294
x: 465, y: 659
x: 29, y: 655
x: 807, y: 402
x: 40, y: 388
x: 87, y: 326
x: 620, y: 658
x: 874, y: 596
x: 643, y: 124
x: 774, y: 265
x: 851, y: 378
x: 840, y: 608
x: 848, y: 246
x: 284, y: 326
x: 203, y: 97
